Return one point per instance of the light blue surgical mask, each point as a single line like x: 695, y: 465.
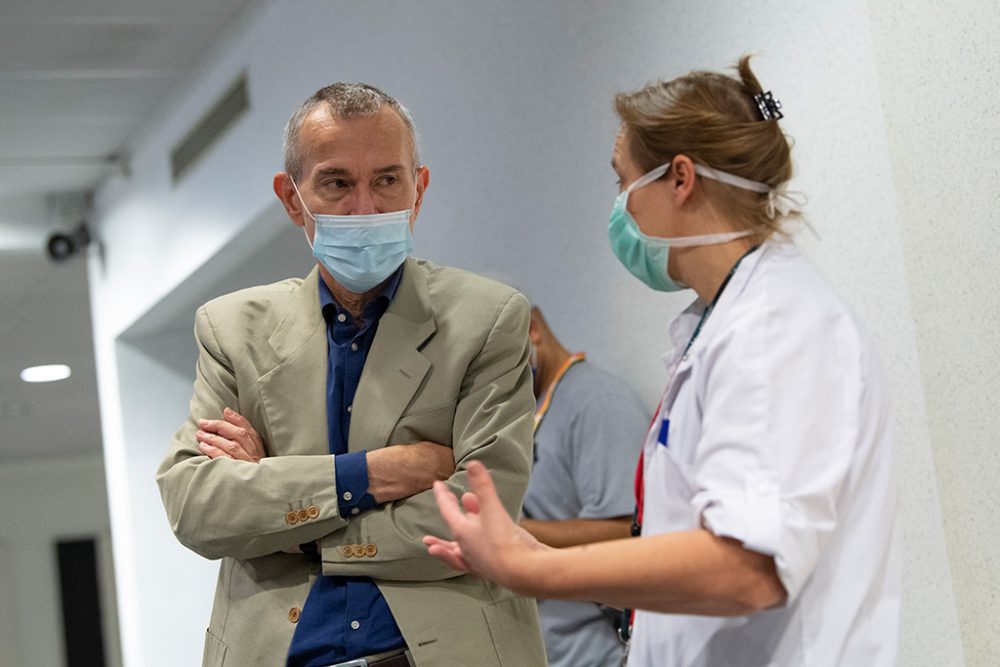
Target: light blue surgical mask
x: 360, y: 251
x: 647, y: 257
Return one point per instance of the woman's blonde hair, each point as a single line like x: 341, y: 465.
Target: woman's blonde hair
x: 713, y: 119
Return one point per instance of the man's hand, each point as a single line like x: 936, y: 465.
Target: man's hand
x: 486, y: 542
x: 231, y: 437
x: 401, y: 471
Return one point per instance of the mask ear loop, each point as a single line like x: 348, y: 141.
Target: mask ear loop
x: 649, y: 177
x: 306, y: 209
x: 301, y: 200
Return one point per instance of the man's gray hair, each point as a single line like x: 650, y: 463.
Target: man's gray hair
x: 345, y: 100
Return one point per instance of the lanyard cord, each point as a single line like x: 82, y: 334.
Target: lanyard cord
x: 715, y: 299
x: 547, y: 401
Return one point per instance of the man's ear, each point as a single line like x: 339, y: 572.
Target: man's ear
x: 685, y: 178
x: 423, y: 179
x: 285, y: 191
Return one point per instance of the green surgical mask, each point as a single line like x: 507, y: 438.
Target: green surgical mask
x: 646, y: 257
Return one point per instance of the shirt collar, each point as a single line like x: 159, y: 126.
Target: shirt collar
x: 372, y: 311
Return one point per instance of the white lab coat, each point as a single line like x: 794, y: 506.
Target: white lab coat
x: 779, y: 437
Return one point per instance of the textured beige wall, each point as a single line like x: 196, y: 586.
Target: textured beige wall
x: 939, y: 72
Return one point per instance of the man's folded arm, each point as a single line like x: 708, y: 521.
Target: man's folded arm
x: 218, y: 506
x: 492, y: 424
x: 222, y: 507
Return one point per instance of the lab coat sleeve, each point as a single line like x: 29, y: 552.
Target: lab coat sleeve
x: 780, y: 401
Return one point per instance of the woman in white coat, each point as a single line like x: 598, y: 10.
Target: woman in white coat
x: 767, y: 495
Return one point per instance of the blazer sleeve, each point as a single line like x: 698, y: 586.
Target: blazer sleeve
x: 233, y: 508
x: 493, y: 421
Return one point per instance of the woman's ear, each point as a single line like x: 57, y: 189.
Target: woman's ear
x: 684, y: 178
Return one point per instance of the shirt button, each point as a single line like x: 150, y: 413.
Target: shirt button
x: 350, y: 408
x: 355, y: 625
x: 347, y: 552
x: 348, y: 495
x: 354, y: 347
x: 371, y: 550
x: 312, y: 511
x: 293, y: 614
x: 341, y: 317
x: 355, y: 510
x: 303, y: 515
x: 292, y: 518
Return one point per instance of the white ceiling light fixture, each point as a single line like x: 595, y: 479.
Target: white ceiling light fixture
x: 49, y: 373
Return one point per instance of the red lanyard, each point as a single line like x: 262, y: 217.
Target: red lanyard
x: 639, y: 492
x: 547, y: 401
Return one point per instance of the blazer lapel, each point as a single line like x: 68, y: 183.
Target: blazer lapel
x: 395, y: 368
x: 293, y: 393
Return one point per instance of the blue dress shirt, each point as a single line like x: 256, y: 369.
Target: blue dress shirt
x: 346, y: 617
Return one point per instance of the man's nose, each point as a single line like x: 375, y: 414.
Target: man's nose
x: 364, y: 201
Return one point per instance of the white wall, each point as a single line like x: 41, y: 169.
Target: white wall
x: 45, y: 501
x: 513, y: 101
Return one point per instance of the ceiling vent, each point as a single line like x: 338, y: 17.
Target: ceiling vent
x: 223, y: 114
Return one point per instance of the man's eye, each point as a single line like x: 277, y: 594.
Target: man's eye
x: 388, y: 179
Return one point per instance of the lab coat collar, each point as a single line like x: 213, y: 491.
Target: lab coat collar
x: 684, y: 325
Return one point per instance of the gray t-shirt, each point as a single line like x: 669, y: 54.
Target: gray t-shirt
x: 586, y: 450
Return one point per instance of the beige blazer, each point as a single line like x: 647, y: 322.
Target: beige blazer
x: 449, y: 364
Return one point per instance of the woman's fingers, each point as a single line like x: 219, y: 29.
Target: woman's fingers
x: 447, y: 551
x: 470, y: 502
x: 448, y: 506
x: 481, y: 484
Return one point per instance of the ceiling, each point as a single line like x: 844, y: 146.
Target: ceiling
x: 78, y: 78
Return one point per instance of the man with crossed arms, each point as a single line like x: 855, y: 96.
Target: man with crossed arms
x: 325, y: 408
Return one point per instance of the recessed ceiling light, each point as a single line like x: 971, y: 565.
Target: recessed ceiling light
x: 50, y: 373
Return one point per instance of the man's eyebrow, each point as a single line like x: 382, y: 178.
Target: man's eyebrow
x: 391, y: 168
x: 333, y: 171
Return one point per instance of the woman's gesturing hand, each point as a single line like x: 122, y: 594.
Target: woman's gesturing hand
x: 486, y: 542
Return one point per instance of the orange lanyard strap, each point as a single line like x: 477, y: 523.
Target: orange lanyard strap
x: 544, y: 407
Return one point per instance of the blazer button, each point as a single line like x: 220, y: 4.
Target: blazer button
x: 303, y: 515
x: 293, y: 614
x: 292, y: 518
x: 312, y: 511
x: 359, y: 551
x: 371, y: 550
x: 347, y: 552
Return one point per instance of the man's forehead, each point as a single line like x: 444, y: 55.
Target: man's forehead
x: 381, y: 137
x: 323, y: 118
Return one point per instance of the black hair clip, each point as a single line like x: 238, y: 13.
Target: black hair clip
x: 770, y: 108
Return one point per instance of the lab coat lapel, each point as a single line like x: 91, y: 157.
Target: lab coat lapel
x: 678, y: 362
x: 395, y: 368
x: 293, y: 392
